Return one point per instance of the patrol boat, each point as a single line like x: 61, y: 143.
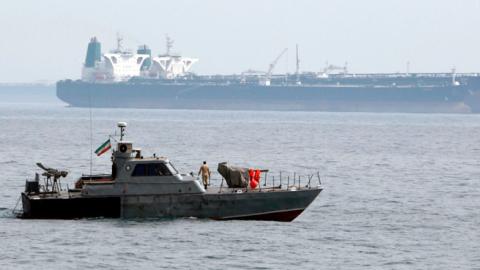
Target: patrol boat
x: 151, y: 187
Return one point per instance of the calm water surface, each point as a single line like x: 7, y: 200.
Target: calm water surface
x: 402, y: 191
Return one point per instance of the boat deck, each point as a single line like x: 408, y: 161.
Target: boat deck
x: 76, y: 193
x: 217, y: 190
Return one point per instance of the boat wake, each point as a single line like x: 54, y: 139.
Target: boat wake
x: 6, y: 213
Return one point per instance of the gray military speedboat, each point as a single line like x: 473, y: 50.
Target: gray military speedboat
x: 151, y: 187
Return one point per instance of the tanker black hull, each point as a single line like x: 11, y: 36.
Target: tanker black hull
x: 360, y: 98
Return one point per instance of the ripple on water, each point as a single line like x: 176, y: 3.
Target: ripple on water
x: 395, y: 196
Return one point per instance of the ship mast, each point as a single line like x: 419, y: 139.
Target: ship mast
x: 119, y: 43
x: 297, y: 68
x: 169, y: 44
x: 454, y: 75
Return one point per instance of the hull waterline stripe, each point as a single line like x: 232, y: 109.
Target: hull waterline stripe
x: 261, y: 214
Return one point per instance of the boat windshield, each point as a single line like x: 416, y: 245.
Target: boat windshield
x: 171, y: 168
x: 152, y: 169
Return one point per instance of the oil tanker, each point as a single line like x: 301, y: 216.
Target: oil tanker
x: 126, y: 79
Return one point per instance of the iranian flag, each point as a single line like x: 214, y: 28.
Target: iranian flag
x: 103, y: 148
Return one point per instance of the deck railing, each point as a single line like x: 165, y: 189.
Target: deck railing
x: 293, y: 181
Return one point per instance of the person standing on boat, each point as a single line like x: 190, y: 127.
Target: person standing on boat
x: 205, y: 171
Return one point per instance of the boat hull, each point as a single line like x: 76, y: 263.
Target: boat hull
x: 70, y: 208
x: 425, y: 99
x: 266, y: 205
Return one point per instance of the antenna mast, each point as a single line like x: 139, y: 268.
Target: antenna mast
x: 91, y: 131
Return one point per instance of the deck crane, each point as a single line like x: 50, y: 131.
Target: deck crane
x: 268, y: 75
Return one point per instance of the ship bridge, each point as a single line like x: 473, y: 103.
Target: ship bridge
x: 121, y: 65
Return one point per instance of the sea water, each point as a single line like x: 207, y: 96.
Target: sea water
x: 401, y: 191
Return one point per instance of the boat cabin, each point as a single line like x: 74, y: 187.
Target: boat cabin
x: 134, y: 174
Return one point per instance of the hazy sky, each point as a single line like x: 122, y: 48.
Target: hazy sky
x: 46, y: 40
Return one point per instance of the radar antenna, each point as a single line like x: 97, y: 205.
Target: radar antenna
x: 122, y: 126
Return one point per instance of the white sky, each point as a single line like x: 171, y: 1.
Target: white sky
x: 46, y: 40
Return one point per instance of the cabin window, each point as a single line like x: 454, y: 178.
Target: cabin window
x: 171, y: 168
x: 151, y: 169
x: 139, y: 170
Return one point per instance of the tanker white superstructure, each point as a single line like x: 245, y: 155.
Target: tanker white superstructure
x: 121, y: 65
